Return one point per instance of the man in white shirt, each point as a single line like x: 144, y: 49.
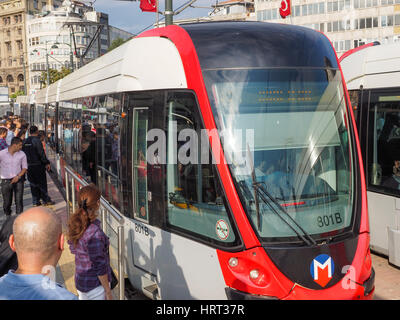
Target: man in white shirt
x: 13, y: 165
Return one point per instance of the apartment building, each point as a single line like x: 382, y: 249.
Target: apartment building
x: 13, y: 45
x: 347, y: 23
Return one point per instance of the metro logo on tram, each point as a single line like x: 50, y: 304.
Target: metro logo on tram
x: 322, y: 268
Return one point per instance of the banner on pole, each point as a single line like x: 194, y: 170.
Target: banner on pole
x: 148, y: 5
x: 284, y: 10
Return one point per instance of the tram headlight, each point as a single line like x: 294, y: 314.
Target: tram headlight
x: 233, y: 262
x: 254, y: 274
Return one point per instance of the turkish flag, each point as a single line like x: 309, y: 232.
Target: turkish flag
x: 284, y: 10
x: 148, y: 5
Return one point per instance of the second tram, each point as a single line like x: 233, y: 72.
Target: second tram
x: 372, y: 76
x: 231, y: 152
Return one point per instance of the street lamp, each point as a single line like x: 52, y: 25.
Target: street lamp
x: 54, y: 46
x: 71, y: 55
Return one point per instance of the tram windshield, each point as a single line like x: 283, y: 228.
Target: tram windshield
x: 285, y: 135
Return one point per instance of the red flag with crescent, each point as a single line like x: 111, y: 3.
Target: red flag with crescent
x: 284, y: 10
x: 148, y: 5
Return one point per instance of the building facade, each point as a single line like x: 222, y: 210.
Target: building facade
x: 347, y: 23
x: 57, y: 40
x: 13, y: 45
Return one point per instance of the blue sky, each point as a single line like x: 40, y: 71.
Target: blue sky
x: 127, y: 15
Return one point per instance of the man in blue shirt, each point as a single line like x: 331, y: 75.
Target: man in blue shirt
x: 38, y: 241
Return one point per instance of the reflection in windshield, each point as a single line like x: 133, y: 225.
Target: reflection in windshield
x: 300, y: 149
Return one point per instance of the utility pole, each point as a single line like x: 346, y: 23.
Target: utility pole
x: 48, y: 68
x: 169, y: 13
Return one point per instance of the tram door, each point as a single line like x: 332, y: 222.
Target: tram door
x: 142, y: 241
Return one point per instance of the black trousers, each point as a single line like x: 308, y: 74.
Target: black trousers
x: 38, y: 182
x: 7, y: 190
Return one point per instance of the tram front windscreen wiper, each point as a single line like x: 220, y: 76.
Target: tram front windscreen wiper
x: 275, y: 206
x: 260, y: 191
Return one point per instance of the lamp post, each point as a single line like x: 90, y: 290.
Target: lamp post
x: 71, y: 55
x: 54, y: 46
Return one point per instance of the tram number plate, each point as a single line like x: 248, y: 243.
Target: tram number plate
x: 329, y: 220
x: 139, y: 228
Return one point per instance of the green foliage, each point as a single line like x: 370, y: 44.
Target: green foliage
x: 55, y: 75
x: 16, y: 94
x: 116, y: 43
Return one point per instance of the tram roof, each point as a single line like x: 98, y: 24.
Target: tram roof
x: 373, y: 67
x: 153, y: 62
x: 272, y: 45
x: 139, y: 64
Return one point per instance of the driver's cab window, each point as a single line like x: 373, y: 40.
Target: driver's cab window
x: 384, y: 141
x: 195, y: 201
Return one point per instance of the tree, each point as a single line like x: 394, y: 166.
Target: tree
x: 16, y: 94
x: 116, y: 43
x: 55, y: 75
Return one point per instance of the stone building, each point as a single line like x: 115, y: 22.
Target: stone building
x: 13, y: 45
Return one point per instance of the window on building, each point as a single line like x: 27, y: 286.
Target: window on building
x: 347, y: 45
x: 397, y: 20
x: 10, y: 78
x: 389, y: 21
x: 335, y: 26
x: 296, y: 11
x: 362, y: 23
x: 322, y: 7
x: 304, y: 11
x: 383, y: 21
x: 368, y: 22
x: 375, y: 22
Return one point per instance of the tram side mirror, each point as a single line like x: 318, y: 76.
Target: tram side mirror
x: 376, y: 174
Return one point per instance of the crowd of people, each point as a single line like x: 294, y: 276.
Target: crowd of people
x: 32, y: 241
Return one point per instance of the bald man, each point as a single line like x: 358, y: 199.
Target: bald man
x: 38, y: 241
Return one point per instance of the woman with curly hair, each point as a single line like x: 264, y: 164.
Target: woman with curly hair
x: 90, y: 246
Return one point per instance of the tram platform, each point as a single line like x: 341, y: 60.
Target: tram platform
x: 387, y: 277
x: 65, y: 269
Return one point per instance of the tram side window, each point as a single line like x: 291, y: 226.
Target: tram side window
x: 75, y: 133
x: 354, y: 99
x: 65, y: 127
x: 88, y: 139
x: 108, y: 146
x: 194, y: 198
x: 51, y: 126
x: 384, y: 141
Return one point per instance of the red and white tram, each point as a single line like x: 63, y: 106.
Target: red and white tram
x: 231, y: 151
